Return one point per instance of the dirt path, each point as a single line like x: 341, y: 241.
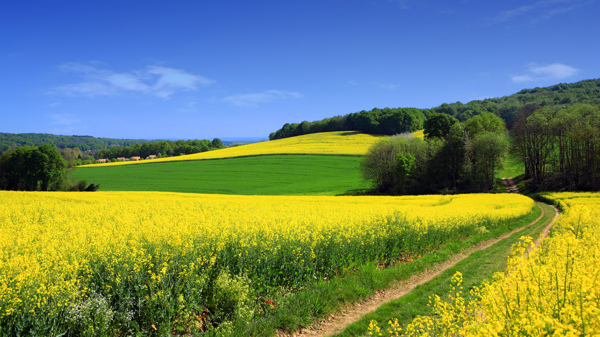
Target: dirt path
x: 510, y: 185
x: 545, y: 231
x: 352, y: 313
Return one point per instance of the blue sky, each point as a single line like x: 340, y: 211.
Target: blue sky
x: 204, y: 69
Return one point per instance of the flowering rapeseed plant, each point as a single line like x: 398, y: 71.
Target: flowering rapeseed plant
x: 553, y: 290
x: 152, y: 260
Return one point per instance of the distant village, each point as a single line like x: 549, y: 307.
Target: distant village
x: 134, y: 158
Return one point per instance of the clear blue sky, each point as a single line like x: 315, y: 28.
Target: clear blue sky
x: 204, y: 69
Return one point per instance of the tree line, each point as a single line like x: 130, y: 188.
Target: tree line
x: 9, y: 141
x: 454, y: 157
x: 32, y: 168
x: 559, y: 96
x: 165, y: 148
x: 393, y: 121
x: 559, y: 148
x: 386, y: 121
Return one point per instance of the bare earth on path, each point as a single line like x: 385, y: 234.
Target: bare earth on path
x: 352, y: 313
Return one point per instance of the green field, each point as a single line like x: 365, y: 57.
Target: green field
x: 264, y: 175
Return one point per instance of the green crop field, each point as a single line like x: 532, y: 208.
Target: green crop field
x: 265, y: 175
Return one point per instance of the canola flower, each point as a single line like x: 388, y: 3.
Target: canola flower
x: 553, y: 290
x: 325, y: 143
x: 107, y: 262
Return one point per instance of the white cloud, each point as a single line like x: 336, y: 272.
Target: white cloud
x: 552, y: 72
x: 403, y: 4
x: 383, y: 85
x: 190, y: 107
x: 254, y: 99
x: 157, y: 81
x: 64, y: 119
x: 540, y: 10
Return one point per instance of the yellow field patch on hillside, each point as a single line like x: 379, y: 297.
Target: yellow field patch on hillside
x: 326, y: 143
x: 419, y: 134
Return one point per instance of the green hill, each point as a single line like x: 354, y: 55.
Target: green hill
x: 397, y: 120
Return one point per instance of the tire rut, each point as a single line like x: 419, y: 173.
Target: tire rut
x: 337, y: 322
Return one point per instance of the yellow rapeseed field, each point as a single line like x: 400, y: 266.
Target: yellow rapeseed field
x: 107, y: 262
x: 554, y: 290
x: 326, y: 143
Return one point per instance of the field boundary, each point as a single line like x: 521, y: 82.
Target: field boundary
x: 153, y: 161
x: 337, y: 322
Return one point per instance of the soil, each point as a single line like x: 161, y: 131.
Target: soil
x: 336, y: 323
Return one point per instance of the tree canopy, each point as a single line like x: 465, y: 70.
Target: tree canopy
x: 377, y: 121
x: 559, y: 148
x: 32, y: 168
x: 454, y: 157
x: 398, y: 120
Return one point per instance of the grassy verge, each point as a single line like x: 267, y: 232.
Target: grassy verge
x: 478, y: 266
x: 299, y: 309
x: 262, y: 175
x: 512, y: 167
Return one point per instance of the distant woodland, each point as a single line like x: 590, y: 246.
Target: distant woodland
x: 9, y: 141
x: 377, y: 121
x: 78, y: 150
x: 161, y: 149
x: 390, y: 121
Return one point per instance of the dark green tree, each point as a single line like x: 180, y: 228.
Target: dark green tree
x: 31, y: 168
x: 217, y: 143
x: 54, y: 170
x: 438, y: 125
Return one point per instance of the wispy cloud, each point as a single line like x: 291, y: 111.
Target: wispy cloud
x: 254, y: 99
x: 153, y: 80
x: 403, y: 4
x: 540, y: 10
x: 555, y: 71
x: 64, y: 123
x: 189, y: 107
x: 64, y: 119
x: 384, y: 85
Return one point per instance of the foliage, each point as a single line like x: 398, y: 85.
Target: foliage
x: 438, y: 125
x: 399, y: 120
x: 551, y: 290
x: 560, y: 149
x: 32, y: 168
x: 377, y: 121
x: 259, y: 175
x: 10, y: 141
x: 453, y: 157
x: 180, y: 263
x: 556, y: 97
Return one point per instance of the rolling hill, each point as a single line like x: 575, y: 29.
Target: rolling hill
x: 315, y: 164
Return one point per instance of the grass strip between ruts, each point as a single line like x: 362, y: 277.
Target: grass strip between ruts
x: 478, y: 266
x: 325, y: 297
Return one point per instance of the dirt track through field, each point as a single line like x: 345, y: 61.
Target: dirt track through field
x: 352, y: 313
